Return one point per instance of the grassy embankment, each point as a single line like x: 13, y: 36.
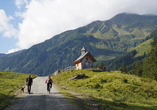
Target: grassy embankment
x: 9, y: 83
x: 113, y: 90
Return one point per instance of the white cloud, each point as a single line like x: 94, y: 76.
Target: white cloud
x: 46, y: 18
x: 5, y: 27
x: 43, y: 19
x: 20, y: 3
x: 13, y: 50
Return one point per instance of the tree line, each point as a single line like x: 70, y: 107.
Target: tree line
x: 148, y: 67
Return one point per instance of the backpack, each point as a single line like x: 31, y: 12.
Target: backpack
x: 50, y: 81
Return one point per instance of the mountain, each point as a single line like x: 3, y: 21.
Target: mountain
x: 10, y: 54
x: 137, y: 53
x: 2, y: 55
x: 104, y: 39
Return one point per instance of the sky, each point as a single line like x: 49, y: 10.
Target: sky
x: 24, y: 23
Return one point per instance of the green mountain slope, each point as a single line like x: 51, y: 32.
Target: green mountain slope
x: 143, y: 48
x: 104, y: 39
x: 137, y: 53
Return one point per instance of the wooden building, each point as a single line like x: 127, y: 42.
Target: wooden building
x: 85, y: 60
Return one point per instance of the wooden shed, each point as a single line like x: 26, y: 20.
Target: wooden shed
x: 85, y: 60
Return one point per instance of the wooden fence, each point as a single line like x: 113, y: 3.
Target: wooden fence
x: 69, y: 68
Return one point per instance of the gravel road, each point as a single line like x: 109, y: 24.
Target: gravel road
x: 40, y: 99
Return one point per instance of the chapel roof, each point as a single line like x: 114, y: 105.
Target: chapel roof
x: 80, y: 58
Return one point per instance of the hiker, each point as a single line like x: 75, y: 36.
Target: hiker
x: 29, y: 82
x: 49, y: 83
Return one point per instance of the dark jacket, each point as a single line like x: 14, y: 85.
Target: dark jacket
x: 49, y: 80
x: 29, y: 81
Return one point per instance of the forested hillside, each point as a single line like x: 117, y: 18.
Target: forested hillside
x: 104, y: 39
x: 134, y: 54
x: 2, y: 55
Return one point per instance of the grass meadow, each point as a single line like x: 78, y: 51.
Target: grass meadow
x: 112, y: 90
x: 9, y: 83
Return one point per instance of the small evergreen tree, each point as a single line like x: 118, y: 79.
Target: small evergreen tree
x: 115, y: 67
x: 102, y: 66
x: 137, y: 68
x: 97, y: 65
x: 123, y: 68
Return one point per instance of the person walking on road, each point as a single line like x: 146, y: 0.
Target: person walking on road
x: 29, y: 82
x: 49, y: 83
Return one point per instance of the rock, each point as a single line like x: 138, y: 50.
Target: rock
x: 57, y: 72
x: 79, y: 76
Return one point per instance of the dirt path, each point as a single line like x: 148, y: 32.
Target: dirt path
x: 40, y: 99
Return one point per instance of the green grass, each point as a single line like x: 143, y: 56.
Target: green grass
x: 113, y: 90
x: 145, y: 47
x: 9, y: 83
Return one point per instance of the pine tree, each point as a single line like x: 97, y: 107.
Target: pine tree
x: 102, y: 66
x: 115, y: 67
x: 97, y: 65
x: 137, y: 68
x: 123, y: 68
x: 150, y: 63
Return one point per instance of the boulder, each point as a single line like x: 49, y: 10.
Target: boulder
x: 79, y: 76
x: 57, y: 72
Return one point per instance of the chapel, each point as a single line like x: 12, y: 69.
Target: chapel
x: 85, y: 60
